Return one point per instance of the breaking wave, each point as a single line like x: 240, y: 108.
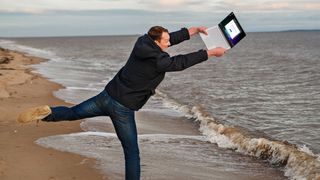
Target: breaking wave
x: 298, y: 162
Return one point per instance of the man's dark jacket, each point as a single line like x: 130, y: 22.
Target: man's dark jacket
x: 137, y: 80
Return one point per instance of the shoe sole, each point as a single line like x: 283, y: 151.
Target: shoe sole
x: 34, y: 114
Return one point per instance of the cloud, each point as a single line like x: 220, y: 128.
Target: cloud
x: 87, y: 17
x: 271, y: 5
x: 42, y: 6
x: 295, y: 6
x: 170, y: 3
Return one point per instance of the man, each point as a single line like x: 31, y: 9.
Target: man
x: 130, y: 89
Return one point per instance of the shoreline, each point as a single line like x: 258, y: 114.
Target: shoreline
x: 20, y: 157
x: 35, y: 90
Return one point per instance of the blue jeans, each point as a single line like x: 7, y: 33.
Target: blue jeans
x: 123, y: 121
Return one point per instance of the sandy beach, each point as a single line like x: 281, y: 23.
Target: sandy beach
x: 20, y: 158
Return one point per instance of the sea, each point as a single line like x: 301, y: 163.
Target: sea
x: 256, y: 109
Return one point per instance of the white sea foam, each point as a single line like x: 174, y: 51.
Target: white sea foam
x: 299, y: 163
x: 84, y: 88
x: 164, y: 156
x: 8, y: 44
x: 142, y: 137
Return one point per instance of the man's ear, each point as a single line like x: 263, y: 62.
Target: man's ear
x: 157, y: 42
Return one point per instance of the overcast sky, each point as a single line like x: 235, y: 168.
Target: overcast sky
x: 117, y: 17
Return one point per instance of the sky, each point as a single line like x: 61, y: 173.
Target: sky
x: 25, y: 18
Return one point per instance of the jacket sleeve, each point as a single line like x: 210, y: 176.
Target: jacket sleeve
x: 165, y: 63
x: 179, y: 36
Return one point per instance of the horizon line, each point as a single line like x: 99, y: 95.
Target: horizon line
x: 99, y: 35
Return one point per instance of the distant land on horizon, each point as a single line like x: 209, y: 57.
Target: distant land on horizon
x: 299, y: 30
x: 288, y: 30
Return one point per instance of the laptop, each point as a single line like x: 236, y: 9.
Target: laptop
x: 227, y: 34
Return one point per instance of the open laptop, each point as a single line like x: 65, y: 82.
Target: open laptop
x: 227, y: 34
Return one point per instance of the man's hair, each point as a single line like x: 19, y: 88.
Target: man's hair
x: 155, y: 32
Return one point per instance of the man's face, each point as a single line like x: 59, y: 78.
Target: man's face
x: 164, y: 42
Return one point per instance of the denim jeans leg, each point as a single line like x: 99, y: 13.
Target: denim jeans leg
x: 95, y: 106
x: 125, y: 127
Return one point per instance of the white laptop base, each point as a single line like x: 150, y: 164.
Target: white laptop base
x: 215, y: 38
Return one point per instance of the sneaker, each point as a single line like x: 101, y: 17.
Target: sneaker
x: 34, y: 114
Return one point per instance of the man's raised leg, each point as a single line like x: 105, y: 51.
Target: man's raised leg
x: 95, y: 106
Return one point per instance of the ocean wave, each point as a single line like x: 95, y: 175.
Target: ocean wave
x: 177, y: 156
x: 9, y: 44
x: 298, y: 162
x: 84, y: 88
x: 143, y: 137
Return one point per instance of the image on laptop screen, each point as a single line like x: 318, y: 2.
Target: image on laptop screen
x: 232, y: 30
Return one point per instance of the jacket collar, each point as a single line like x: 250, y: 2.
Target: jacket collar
x: 152, y: 42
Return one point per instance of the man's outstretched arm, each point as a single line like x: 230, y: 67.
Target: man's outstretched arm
x: 165, y: 63
x: 177, y: 37
x: 185, y: 34
x: 195, y: 30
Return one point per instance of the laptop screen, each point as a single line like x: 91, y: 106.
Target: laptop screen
x: 232, y: 29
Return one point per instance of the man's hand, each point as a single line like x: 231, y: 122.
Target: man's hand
x: 217, y: 52
x: 195, y: 30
